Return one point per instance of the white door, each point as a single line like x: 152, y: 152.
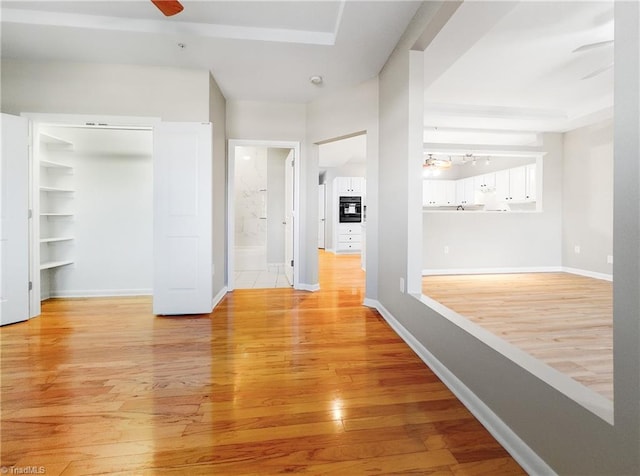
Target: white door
x: 14, y: 221
x: 289, y: 217
x: 182, y: 174
x: 322, y: 193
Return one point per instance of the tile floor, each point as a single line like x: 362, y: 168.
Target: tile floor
x: 272, y: 277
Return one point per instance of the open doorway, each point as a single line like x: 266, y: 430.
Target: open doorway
x: 262, y: 228
x: 92, y: 200
x: 342, y: 216
x: 95, y: 211
x: 121, y: 206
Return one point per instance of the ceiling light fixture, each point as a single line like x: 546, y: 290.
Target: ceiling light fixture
x: 316, y: 80
x: 469, y: 157
x: 436, y: 163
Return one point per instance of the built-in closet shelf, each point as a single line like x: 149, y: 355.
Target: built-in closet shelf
x: 54, y: 189
x: 55, y: 239
x: 53, y: 140
x: 54, y: 165
x: 54, y: 264
x: 57, y: 214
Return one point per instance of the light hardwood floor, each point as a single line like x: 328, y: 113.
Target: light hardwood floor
x: 562, y: 319
x: 273, y: 381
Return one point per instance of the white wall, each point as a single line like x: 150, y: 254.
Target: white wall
x: 587, y: 201
x: 266, y: 121
x: 109, y: 89
x: 250, y: 197
x: 256, y: 120
x: 88, y: 88
x: 332, y: 116
x: 569, y: 438
x: 113, y: 205
x: 339, y: 115
x: 218, y: 117
x: 501, y: 240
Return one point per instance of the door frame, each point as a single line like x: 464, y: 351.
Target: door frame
x: 54, y: 119
x: 231, y: 155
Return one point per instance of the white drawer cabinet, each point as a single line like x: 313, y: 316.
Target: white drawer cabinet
x: 349, y: 237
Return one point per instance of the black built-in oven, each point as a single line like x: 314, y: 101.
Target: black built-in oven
x: 350, y: 209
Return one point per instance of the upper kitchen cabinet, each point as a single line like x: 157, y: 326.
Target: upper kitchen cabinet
x: 502, y: 189
x: 348, y: 186
x: 438, y: 193
x: 511, y: 185
x: 531, y: 184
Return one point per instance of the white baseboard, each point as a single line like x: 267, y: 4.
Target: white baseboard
x: 308, y: 287
x: 370, y: 303
x: 218, y: 297
x: 525, y: 269
x: 517, y: 448
x: 102, y: 293
x: 589, y: 274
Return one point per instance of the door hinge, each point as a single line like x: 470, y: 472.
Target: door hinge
x: 293, y: 163
x: 30, y: 285
x: 292, y: 263
x: 30, y: 214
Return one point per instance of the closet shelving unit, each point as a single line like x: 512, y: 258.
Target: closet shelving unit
x: 56, y: 195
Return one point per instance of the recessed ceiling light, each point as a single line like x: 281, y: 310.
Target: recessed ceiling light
x: 316, y: 79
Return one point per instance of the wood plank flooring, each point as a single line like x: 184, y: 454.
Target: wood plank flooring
x: 273, y: 381
x: 562, y: 319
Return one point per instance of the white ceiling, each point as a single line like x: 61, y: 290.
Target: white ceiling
x: 511, y: 65
x: 352, y: 150
x: 256, y: 50
x: 494, y: 65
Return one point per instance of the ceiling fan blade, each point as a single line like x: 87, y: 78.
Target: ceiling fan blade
x: 598, y: 71
x: 591, y: 46
x: 168, y: 7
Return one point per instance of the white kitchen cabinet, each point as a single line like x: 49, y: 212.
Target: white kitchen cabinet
x: 485, y: 181
x: 502, y: 186
x: 514, y: 185
x: 517, y: 184
x: 449, y: 192
x: 465, y: 191
x: 438, y: 193
x: 531, y: 186
x: 483, y: 184
x: 349, y: 238
x: 511, y: 185
x: 349, y: 186
x: 429, y: 192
